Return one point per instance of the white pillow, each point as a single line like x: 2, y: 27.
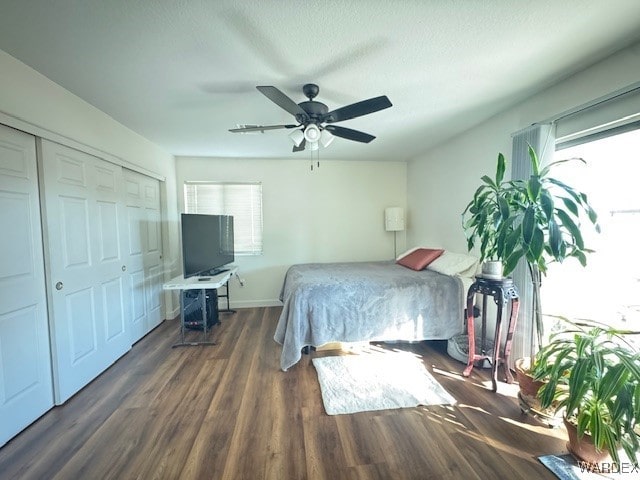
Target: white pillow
x: 450, y: 263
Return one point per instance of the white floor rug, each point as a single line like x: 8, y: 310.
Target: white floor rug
x: 377, y: 381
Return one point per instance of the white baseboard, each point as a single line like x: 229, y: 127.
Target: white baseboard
x: 172, y: 314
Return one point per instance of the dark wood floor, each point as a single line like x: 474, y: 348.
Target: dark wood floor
x: 227, y: 411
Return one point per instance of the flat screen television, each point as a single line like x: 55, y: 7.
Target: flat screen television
x: 207, y: 243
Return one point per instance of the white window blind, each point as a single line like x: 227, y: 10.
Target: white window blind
x: 242, y: 200
x: 542, y: 138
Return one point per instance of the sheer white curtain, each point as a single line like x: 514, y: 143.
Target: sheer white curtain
x: 542, y: 138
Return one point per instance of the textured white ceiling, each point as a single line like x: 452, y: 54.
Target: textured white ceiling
x: 181, y: 73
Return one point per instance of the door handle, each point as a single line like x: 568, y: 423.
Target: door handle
x: 59, y: 286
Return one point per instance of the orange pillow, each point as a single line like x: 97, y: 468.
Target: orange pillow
x: 420, y: 258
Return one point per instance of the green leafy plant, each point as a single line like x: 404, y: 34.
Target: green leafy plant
x: 484, y: 215
x: 547, y: 215
x: 593, y: 373
x: 538, y: 220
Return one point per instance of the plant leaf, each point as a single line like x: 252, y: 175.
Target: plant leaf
x: 571, y: 206
x: 573, y: 229
x: 612, y: 381
x: 528, y: 224
x: 512, y: 261
x: 503, y: 205
x: 593, y: 216
x: 575, y: 195
x: 545, y: 171
x: 578, y: 384
x: 489, y: 181
x: 546, y: 202
x: 536, y: 247
x: 533, y: 188
x: 500, y: 169
x: 582, y: 258
x: 555, y: 240
x: 535, y: 164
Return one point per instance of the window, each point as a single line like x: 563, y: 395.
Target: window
x: 607, y: 289
x: 242, y: 200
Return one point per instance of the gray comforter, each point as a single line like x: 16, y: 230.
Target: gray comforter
x: 352, y: 302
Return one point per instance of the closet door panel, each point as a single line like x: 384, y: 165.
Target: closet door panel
x: 82, y: 328
x: 153, y: 257
x: 113, y: 299
x: 145, y: 247
x: 26, y: 390
x: 86, y: 255
x: 137, y: 284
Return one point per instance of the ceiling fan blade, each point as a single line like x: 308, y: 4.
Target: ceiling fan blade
x: 260, y: 128
x: 280, y: 99
x: 300, y: 147
x: 350, y: 134
x: 357, y: 109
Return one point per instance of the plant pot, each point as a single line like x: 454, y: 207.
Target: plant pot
x: 528, y: 386
x: 583, y: 448
x: 492, y: 269
x: 532, y: 407
x: 528, y: 396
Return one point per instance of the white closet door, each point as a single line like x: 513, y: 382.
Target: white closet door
x: 84, y: 208
x: 26, y: 390
x: 144, y: 261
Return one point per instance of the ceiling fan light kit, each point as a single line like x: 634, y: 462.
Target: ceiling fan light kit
x: 326, y: 138
x: 297, y: 136
x: 312, y: 133
x: 311, y: 115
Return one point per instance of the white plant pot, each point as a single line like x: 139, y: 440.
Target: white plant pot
x: 492, y: 269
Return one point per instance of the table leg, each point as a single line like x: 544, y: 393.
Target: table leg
x: 496, y: 345
x: 513, y: 318
x: 182, y: 293
x: 470, y: 334
x: 203, y: 308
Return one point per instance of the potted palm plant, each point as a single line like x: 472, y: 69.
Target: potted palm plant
x: 593, y: 373
x: 484, y: 216
x: 538, y: 220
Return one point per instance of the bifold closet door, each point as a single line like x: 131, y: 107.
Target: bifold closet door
x: 145, y: 247
x: 89, y: 301
x: 26, y: 390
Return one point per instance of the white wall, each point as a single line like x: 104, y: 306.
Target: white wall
x: 334, y: 213
x: 32, y: 103
x: 442, y: 181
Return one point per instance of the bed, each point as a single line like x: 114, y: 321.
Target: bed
x: 366, y: 301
